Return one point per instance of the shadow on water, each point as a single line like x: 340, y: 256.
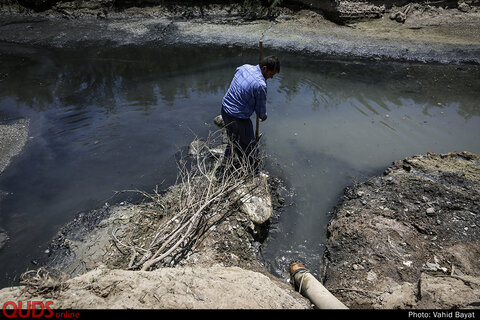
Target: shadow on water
x: 105, y: 119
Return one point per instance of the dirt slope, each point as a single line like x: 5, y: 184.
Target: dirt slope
x: 410, y: 238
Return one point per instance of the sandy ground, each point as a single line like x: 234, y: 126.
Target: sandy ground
x: 213, y: 287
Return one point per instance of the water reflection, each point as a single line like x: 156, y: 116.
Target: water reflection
x: 83, y: 77
x: 105, y: 119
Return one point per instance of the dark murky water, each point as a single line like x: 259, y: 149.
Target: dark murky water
x: 112, y: 119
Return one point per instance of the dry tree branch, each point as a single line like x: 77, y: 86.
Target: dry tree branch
x: 204, y: 192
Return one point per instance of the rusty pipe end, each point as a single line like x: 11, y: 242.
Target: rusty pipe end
x: 294, y: 267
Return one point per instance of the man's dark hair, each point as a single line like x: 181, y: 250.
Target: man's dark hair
x: 272, y: 63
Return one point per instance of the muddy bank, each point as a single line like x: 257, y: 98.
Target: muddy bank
x: 425, y: 33
x: 3, y: 237
x: 223, y: 271
x: 230, y: 236
x: 13, y: 138
x: 411, y: 237
x: 98, y: 253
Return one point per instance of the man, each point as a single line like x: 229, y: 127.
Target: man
x: 247, y: 94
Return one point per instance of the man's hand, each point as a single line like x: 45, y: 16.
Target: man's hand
x: 264, y: 119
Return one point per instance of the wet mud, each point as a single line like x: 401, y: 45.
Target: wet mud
x: 409, y: 238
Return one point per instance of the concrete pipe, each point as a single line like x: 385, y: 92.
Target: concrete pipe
x: 312, y: 289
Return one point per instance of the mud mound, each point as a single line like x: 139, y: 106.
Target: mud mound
x: 410, y: 238
x: 169, y: 288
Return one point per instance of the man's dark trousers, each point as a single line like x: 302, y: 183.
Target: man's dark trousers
x: 240, y: 132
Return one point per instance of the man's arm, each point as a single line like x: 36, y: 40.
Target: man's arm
x: 261, y: 103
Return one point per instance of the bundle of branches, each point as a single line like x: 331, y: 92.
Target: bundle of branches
x: 205, y: 194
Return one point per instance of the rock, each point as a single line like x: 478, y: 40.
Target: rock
x: 371, y: 276
x: 357, y: 267
x: 344, y: 11
x: 13, y: 138
x: 437, y: 291
x: 197, y: 147
x: 434, y: 267
x: 398, y: 16
x: 257, y: 203
x: 463, y: 7
x: 430, y: 211
x: 399, y: 297
x: 202, y: 149
x: 3, y: 238
x: 219, y: 121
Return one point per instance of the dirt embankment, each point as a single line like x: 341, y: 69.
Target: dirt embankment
x: 212, y: 287
x: 13, y: 137
x: 90, y: 261
x: 221, y: 273
x: 410, y: 238
x: 399, y: 30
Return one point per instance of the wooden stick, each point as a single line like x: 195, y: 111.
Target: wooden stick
x: 257, y: 129
x: 260, y: 45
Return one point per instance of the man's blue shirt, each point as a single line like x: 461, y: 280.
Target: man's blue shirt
x: 247, y: 93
